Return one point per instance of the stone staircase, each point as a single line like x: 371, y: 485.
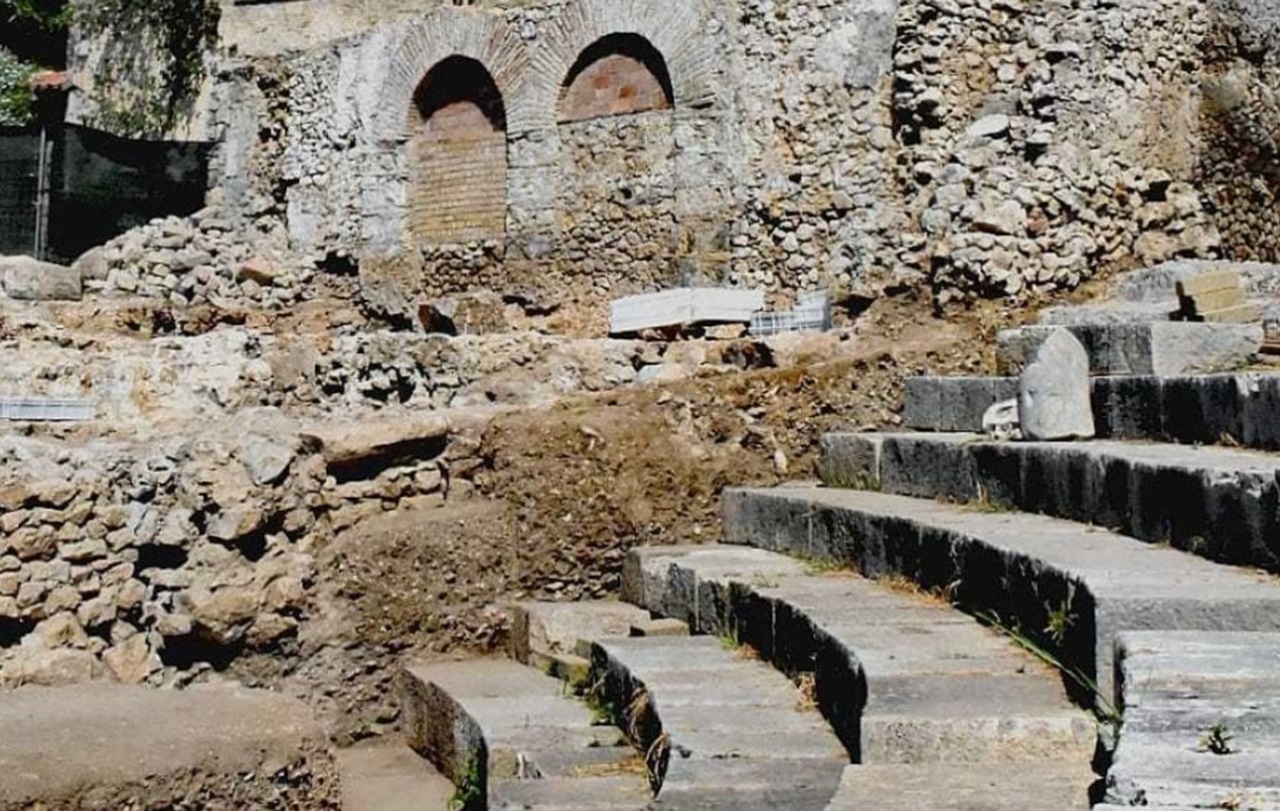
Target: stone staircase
x: 922, y: 630
x: 1145, y: 569
x: 802, y: 686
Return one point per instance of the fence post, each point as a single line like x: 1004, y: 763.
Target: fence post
x: 44, y: 167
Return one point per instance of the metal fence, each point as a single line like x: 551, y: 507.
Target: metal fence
x: 19, y: 185
x: 68, y: 188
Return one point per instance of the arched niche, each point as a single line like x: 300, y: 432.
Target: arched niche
x: 617, y: 167
x: 458, y: 155
x: 618, y: 74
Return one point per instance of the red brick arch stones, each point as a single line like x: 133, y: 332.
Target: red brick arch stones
x: 461, y: 85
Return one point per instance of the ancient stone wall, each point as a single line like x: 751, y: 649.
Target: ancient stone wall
x: 1239, y: 171
x: 985, y: 147
x: 154, y: 561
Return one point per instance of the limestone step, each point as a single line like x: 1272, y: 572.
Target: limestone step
x: 389, y: 776
x: 542, y: 629
x: 1069, y: 587
x: 555, y: 637
x: 1168, y: 348
x: 1219, y: 503
x: 491, y: 726
x: 1176, y: 688
x: 720, y: 729
x: 948, y: 787
x: 1239, y: 408
x: 900, y: 677
x: 117, y: 746
x: 952, y: 403
x: 1209, y: 409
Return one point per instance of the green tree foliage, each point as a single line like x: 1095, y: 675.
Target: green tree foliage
x: 16, y: 99
x: 152, y: 53
x: 154, y: 58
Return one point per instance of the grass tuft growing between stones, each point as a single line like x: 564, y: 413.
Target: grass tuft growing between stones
x: 469, y: 793
x: 987, y: 505
x: 1102, y: 706
x: 1217, y: 740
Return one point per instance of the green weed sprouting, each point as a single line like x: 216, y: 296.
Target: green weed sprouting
x: 469, y: 793
x: 1217, y: 740
x: 1105, y: 710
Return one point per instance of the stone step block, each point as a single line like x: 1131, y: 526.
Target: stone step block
x: 1168, y: 348
x: 1070, y: 588
x: 1200, y: 304
x: 1237, y: 314
x: 27, y: 279
x: 1177, y: 687
x: 899, y: 677
x: 1218, y: 503
x: 1210, y: 282
x: 116, y: 746
x: 1236, y: 408
x: 953, y: 403
x: 556, y: 637
x: 488, y: 723
x: 683, y: 307
x: 713, y: 720
x: 581, y: 793
x: 948, y: 787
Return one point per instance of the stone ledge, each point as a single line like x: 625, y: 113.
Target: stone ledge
x: 1175, y: 687
x: 900, y: 678
x: 125, y: 746
x: 1169, y: 348
x: 488, y: 725
x: 1026, y: 569
x: 1191, y: 409
x: 1213, y: 502
x: 720, y: 730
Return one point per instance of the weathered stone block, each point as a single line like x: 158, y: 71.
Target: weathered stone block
x: 30, y: 280
x: 1053, y: 394
x: 1162, y: 348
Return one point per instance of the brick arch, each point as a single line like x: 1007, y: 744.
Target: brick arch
x: 619, y: 74
x: 457, y: 155
x: 428, y: 41
x: 674, y: 30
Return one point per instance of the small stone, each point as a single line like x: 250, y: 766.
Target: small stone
x: 131, y: 595
x: 236, y: 523
x: 83, y: 551
x: 61, y: 631
x: 62, y: 598
x: 97, y: 612
x: 33, y: 544
x: 223, y: 614
x: 267, y: 629
x: 1000, y: 422
x: 132, y: 661
x: 14, y: 497
x: 266, y: 461
x: 53, y: 493
x: 1053, y: 393
x: 1006, y: 218
x: 173, y: 625
x: 49, y: 668
x: 285, y: 593
x: 258, y: 270
x: 92, y: 265
x: 992, y: 126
